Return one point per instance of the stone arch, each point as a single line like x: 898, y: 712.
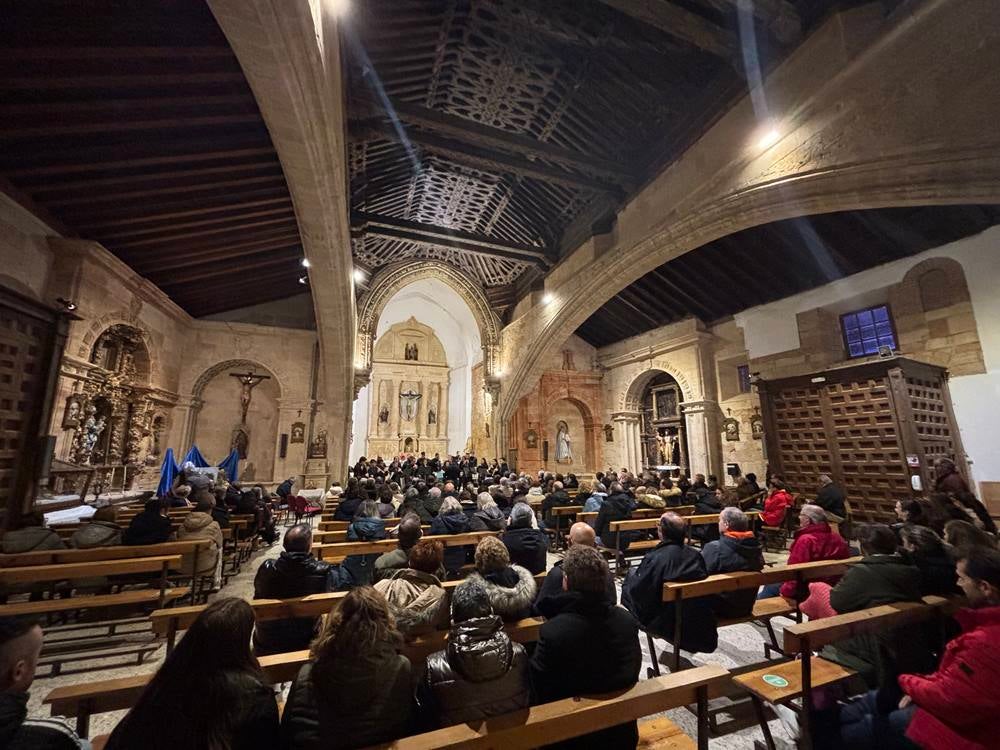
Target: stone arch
x: 591, y: 427
x: 235, y: 364
x: 392, y: 279
x: 99, y: 325
x: 631, y: 399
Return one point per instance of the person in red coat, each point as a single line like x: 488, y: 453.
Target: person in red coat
x: 776, y: 504
x: 814, y: 540
x: 956, y: 707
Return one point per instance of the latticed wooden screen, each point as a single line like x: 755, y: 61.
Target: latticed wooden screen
x: 24, y: 349
x: 849, y: 423
x: 801, y: 436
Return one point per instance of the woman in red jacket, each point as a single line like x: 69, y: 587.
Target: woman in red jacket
x: 776, y: 504
x: 814, y: 540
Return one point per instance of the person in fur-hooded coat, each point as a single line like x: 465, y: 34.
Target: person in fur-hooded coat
x: 511, y: 588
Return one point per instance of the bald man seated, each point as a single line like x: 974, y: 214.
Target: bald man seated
x: 20, y: 646
x: 551, y: 599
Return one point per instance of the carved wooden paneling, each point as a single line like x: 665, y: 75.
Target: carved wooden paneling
x: 931, y: 417
x: 801, y: 435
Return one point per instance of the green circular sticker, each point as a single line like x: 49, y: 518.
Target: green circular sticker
x: 775, y: 680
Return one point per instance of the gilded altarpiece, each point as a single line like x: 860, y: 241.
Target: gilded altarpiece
x: 408, y: 412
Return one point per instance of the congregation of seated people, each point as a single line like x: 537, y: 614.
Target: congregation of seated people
x: 358, y: 688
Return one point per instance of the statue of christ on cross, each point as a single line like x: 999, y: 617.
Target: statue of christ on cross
x: 248, y: 381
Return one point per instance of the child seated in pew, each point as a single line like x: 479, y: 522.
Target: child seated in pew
x: 956, y: 706
x: 20, y: 647
x: 209, y: 693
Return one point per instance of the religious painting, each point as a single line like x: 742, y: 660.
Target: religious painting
x: 609, y: 433
x: 531, y: 439
x: 756, y: 426
x: 410, y: 352
x: 666, y: 403
x: 731, y: 428
x: 241, y: 442
x: 298, y: 434
x: 317, y: 448
x: 72, y: 413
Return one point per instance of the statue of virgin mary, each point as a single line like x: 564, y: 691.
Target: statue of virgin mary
x: 564, y: 447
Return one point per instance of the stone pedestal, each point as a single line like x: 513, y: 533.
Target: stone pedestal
x: 316, y: 475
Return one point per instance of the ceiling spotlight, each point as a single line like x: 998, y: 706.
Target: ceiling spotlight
x: 67, y: 303
x: 547, y: 298
x: 306, y: 263
x: 359, y: 275
x: 770, y: 136
x: 303, y: 279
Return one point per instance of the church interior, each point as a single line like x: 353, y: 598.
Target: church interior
x: 369, y: 301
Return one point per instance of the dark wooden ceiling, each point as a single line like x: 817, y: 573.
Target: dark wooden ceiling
x: 772, y: 261
x: 132, y: 124
x: 498, y: 134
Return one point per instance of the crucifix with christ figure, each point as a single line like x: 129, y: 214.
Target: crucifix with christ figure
x: 248, y: 381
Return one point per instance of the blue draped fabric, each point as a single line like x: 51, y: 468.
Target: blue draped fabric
x: 195, y: 457
x: 168, y: 471
x: 231, y: 465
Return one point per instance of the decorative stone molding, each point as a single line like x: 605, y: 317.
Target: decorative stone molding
x: 386, y: 283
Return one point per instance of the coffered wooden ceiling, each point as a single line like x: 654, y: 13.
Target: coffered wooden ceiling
x: 492, y: 134
x: 772, y: 261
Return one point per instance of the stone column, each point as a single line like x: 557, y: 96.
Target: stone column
x: 186, y: 423
x: 630, y: 453
x: 704, y: 441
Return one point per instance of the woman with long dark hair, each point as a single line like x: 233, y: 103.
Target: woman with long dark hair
x: 356, y: 689
x: 209, y: 694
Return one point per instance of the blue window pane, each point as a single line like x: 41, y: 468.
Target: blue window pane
x: 867, y: 330
x: 881, y: 314
x: 865, y: 318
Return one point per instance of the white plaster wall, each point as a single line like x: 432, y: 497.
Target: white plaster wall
x: 771, y: 329
x: 437, y: 305
x: 25, y: 259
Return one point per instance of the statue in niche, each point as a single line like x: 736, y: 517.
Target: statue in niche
x: 298, y: 433
x: 431, y: 416
x: 756, y: 426
x: 662, y: 448
x: 408, y: 404
x: 675, y: 450
x: 241, y: 442
x: 92, y: 429
x: 487, y: 429
x: 317, y: 448
x: 609, y: 433
x: 564, y: 445
x: 383, y: 414
x: 410, y: 353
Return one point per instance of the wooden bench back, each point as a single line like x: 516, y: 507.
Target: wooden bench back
x: 723, y: 582
x: 653, y: 520
x: 97, y: 554
x: 817, y: 633
x: 43, y: 573
x: 343, y: 549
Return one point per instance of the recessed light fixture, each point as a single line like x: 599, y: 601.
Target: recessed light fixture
x: 359, y: 275
x: 303, y: 279
x: 306, y: 263
x: 67, y: 303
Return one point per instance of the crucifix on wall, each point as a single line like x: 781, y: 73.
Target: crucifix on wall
x: 248, y: 381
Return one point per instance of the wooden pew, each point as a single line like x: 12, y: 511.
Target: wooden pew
x: 99, y: 696
x: 651, y: 523
x: 764, y: 609
x: 809, y: 672
x: 640, y: 513
x: 572, y: 717
x: 168, y: 622
x: 337, y: 552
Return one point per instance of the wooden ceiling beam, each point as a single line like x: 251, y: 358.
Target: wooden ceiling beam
x: 137, y: 80
x: 113, y: 125
x: 661, y: 302
x: 129, y: 105
x: 287, y: 210
x: 681, y: 24
x: 107, y: 196
x: 640, y: 311
x: 693, y: 305
x: 483, y: 159
x: 780, y: 16
x: 429, y: 234
x: 477, y: 134
x: 150, y: 161
x: 156, y: 263
x: 99, y: 223
x: 54, y: 186
x: 200, y: 273
x: 219, y: 303
x: 130, y: 244
x: 74, y: 52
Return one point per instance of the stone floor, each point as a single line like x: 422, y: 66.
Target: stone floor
x: 738, y: 645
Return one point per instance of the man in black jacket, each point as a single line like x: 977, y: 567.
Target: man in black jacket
x: 294, y: 573
x: 617, y: 506
x: 737, y: 549
x: 669, y: 562
x: 525, y: 545
x: 152, y: 526
x: 556, y: 499
x: 607, y: 634
x: 20, y: 646
x: 831, y: 497
x: 552, y: 599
